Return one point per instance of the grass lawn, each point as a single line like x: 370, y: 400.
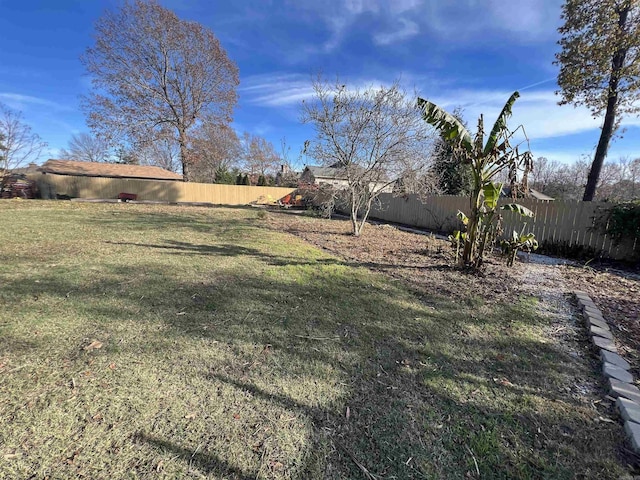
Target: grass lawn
x: 167, y: 342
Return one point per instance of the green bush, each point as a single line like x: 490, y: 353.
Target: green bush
x: 621, y: 222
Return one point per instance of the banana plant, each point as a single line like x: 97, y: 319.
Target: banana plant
x: 518, y: 241
x: 487, y: 159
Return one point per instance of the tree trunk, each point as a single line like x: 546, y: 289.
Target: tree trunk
x: 354, y: 223
x: 609, y: 124
x: 601, y: 150
x: 468, y: 254
x: 184, y: 153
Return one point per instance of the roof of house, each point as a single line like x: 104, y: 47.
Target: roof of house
x: 506, y: 191
x: 333, y: 171
x: 539, y: 195
x: 338, y: 172
x: 31, y: 168
x: 113, y: 170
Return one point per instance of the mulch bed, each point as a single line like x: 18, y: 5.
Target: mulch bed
x: 617, y: 293
x: 424, y: 261
x: 427, y: 263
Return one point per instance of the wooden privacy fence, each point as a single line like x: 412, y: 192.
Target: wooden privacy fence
x: 51, y: 185
x: 561, y: 223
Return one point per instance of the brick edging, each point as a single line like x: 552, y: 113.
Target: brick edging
x: 614, y: 368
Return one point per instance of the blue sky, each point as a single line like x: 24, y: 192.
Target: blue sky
x: 469, y: 53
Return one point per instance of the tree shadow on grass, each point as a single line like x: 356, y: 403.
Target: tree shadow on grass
x: 232, y: 250
x: 148, y: 220
x: 204, y: 462
x: 424, y: 387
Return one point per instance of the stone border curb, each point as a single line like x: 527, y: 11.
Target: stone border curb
x: 614, y: 368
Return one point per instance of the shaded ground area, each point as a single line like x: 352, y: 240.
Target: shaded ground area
x: 412, y: 257
x: 423, y: 261
x: 166, y: 342
x: 617, y: 293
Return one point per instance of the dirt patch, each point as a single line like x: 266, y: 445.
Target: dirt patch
x: 424, y: 261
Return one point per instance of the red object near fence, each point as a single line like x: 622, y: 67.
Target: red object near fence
x: 127, y: 196
x: 17, y: 186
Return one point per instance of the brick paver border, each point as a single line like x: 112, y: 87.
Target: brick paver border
x: 614, y: 368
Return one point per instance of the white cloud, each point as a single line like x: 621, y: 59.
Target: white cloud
x: 277, y: 90
x: 408, y: 29
x: 18, y: 101
x: 537, y: 110
x: 357, y: 7
x: 471, y: 20
x: 286, y: 90
x: 545, y: 122
x: 460, y: 22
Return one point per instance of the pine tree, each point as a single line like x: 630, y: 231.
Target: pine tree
x: 454, y: 177
x: 600, y: 66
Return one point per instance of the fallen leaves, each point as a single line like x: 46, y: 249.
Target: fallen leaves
x: 503, y: 381
x: 94, y: 345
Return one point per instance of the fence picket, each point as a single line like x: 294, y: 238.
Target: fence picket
x: 555, y: 222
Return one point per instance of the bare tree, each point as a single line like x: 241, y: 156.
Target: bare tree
x: 163, y: 152
x: 152, y: 71
x: 373, y: 136
x: 260, y: 156
x: 85, y: 147
x: 286, y: 175
x: 618, y: 181
x: 216, y: 149
x: 19, y: 144
x: 544, y: 173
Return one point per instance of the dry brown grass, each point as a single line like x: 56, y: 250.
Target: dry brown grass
x: 229, y: 350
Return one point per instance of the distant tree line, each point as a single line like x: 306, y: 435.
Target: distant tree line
x: 619, y: 180
x: 217, y: 155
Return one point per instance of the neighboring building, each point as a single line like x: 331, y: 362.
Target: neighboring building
x: 107, y: 170
x: 72, y: 179
x: 336, y: 176
x: 287, y: 177
x: 31, y: 168
x: 506, y: 192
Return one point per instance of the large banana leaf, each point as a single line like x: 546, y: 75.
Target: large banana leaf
x: 450, y: 127
x: 515, y: 207
x: 501, y: 124
x: 491, y: 193
x: 462, y: 217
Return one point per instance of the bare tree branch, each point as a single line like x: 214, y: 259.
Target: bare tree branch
x: 149, y: 70
x: 19, y: 144
x: 374, y: 137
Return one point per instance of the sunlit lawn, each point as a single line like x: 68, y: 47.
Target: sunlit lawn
x: 167, y: 342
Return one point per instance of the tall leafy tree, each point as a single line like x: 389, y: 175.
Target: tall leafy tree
x: 600, y: 66
x: 150, y: 71
x: 452, y: 174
